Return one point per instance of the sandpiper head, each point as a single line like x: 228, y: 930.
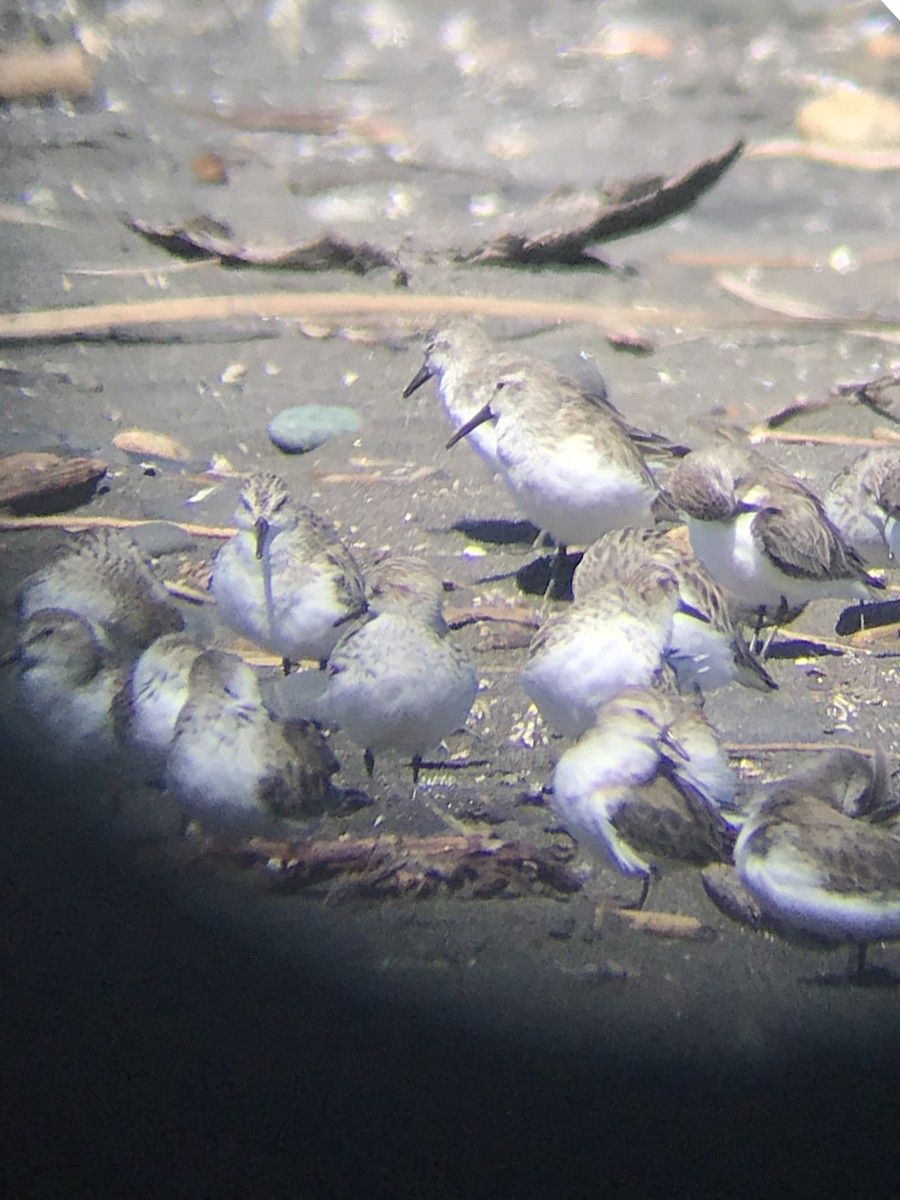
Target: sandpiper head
x: 215, y: 674
x: 405, y: 585
x: 501, y: 391
x: 264, y: 502
x: 703, y: 488
x: 61, y: 640
x: 459, y: 343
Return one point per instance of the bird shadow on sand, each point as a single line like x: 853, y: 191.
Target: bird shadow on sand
x: 498, y: 532
x: 869, y: 977
x: 868, y: 616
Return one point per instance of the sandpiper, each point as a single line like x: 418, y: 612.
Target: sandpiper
x: 569, y: 464
x: 234, y: 767
x: 285, y: 580
x: 70, y: 678
x: 398, y: 682
x: 102, y: 575
x: 863, y: 501
x: 647, y: 780
x: 463, y: 359
x: 763, y: 534
x: 618, y: 637
x: 707, y: 650
x: 156, y: 692
x: 817, y: 872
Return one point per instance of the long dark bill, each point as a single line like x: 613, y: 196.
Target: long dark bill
x: 421, y: 376
x: 262, y: 531
x: 483, y: 414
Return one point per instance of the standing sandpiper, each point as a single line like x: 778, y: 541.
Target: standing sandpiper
x: 285, y: 580
x: 647, y: 780
x: 461, y: 358
x: 763, y: 534
x: 817, y: 872
x: 569, y: 464
x: 398, y: 682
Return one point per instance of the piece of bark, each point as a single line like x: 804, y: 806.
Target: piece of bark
x: 562, y: 226
x: 28, y: 72
x: 44, y: 483
x: 202, y: 237
x: 471, y: 866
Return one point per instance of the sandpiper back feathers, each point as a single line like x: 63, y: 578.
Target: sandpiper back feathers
x: 103, y: 576
x: 285, y: 580
x: 707, y: 647
x: 618, y: 637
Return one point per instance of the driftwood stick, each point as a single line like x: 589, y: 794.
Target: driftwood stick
x: 27, y: 72
x: 859, y: 160
x: 821, y: 439
x: 419, y: 310
x: 73, y: 523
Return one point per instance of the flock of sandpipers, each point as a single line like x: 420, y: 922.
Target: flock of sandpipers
x: 105, y: 666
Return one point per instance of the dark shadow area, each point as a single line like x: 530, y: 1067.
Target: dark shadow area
x: 146, y: 1039
x: 801, y: 647
x: 868, y: 616
x: 534, y: 577
x: 498, y: 532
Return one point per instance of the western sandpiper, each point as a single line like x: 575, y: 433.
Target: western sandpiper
x: 864, y: 503
x: 818, y: 872
x: 647, y: 780
x: 70, y: 679
x: 707, y: 650
x: 234, y: 767
x: 103, y: 576
x: 462, y: 359
x: 568, y: 464
x: 398, y: 682
x: 285, y: 579
x: 618, y: 637
x: 763, y: 534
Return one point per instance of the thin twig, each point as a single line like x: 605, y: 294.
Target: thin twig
x: 419, y: 310
x: 859, y: 160
x: 821, y: 439
x: 75, y: 523
x: 750, y: 749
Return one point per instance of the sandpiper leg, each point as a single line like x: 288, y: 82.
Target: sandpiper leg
x: 642, y: 899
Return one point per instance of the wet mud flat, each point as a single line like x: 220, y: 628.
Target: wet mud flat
x: 542, y: 973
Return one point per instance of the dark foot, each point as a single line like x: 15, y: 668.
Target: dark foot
x: 642, y: 899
